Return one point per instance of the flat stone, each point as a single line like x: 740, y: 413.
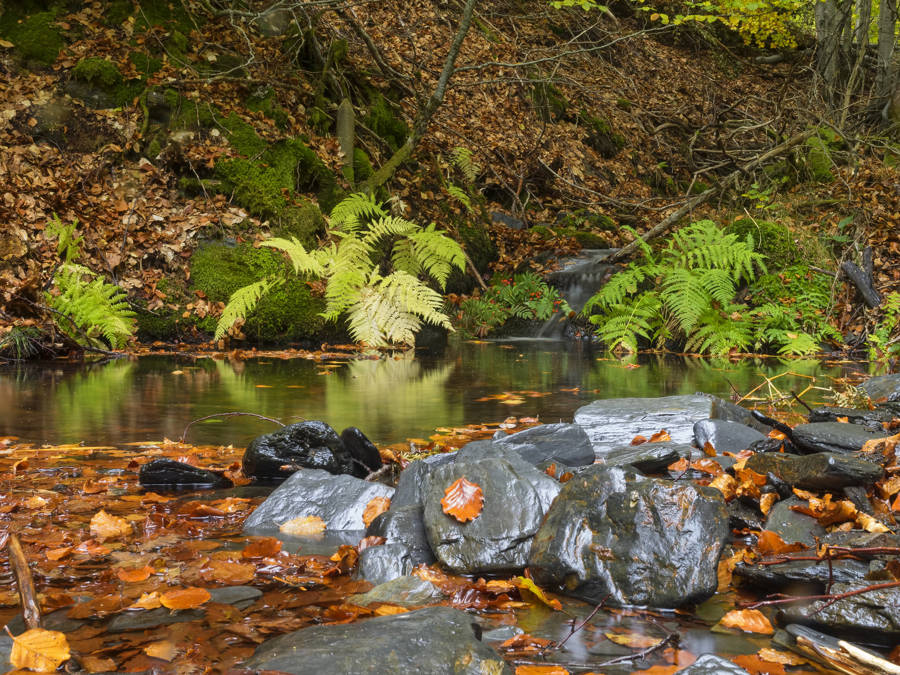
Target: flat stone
x: 807, y: 572
x: 725, y: 436
x: 882, y: 387
x: 406, y: 591
x: 792, y: 526
x: 566, y: 443
x: 167, y: 474
x: 431, y: 641
x: 339, y: 500
x: 871, y: 419
x: 648, y: 457
x: 710, y: 664
x: 818, y: 471
x: 379, y: 564
x: 151, y: 618
x: 833, y: 436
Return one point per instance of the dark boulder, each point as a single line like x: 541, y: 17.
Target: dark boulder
x: 566, y: 443
x: 725, y: 436
x: 310, y: 445
x: 614, y: 536
x: 499, y: 538
x: 167, y: 474
x: 792, y: 526
x: 431, y: 641
x: 818, y: 471
x: 404, y: 525
x: 409, y: 485
x: 833, y: 436
x: 404, y: 590
x: 801, y: 573
x: 882, y: 387
x: 338, y: 500
x: 871, y: 419
x: 379, y: 564
x: 546, y: 487
x: 364, y: 453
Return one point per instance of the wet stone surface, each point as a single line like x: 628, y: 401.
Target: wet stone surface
x: 818, y: 471
x: 833, y: 437
x: 313, y: 445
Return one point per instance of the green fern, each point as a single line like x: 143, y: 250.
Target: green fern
x: 68, y: 246
x: 242, y: 302
x: 463, y: 159
x: 352, y: 212
x: 461, y: 195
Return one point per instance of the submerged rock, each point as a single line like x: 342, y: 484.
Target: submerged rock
x: 833, y: 436
x: 338, y: 500
x: 431, y: 641
x: 614, y: 536
x: 169, y: 474
x: 497, y: 540
x: 379, y: 564
x: 725, y: 436
x: 312, y: 445
x: 818, y: 471
x: 882, y: 387
x: 406, y: 591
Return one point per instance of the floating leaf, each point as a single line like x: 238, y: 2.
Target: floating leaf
x: 535, y: 669
x: 184, y: 598
x: 303, y: 526
x: 375, y: 508
x: 104, y: 526
x: 633, y: 640
x: 164, y: 650
x: 463, y: 500
x: 147, y: 601
x: 264, y: 547
x: 134, y: 575
x: 749, y: 620
x: 526, y: 584
x: 638, y: 440
x: 39, y: 649
x: 229, y: 572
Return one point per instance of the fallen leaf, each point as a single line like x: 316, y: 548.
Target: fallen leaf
x: 541, y: 670
x: 766, y: 501
x: 303, y: 526
x: 709, y: 450
x: 771, y: 543
x: 463, y: 500
x: 375, y: 508
x: 134, y: 575
x: 146, y: 601
x: 526, y: 584
x: 229, y: 572
x: 749, y: 620
x: 754, y: 665
x: 870, y: 524
x: 264, y: 547
x: 39, y: 649
x: 726, y: 484
x: 104, y: 526
x: 633, y: 640
x: 638, y: 440
x: 659, y: 436
x: 184, y: 598
x: 164, y: 650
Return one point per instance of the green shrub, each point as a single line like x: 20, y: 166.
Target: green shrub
x: 525, y: 296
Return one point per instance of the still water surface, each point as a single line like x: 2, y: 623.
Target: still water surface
x: 391, y: 399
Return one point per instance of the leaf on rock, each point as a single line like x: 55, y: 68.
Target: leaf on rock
x: 749, y: 620
x: 375, y: 508
x: 638, y: 440
x: 532, y: 669
x: 264, y: 547
x: 303, y: 526
x: 870, y: 524
x: 463, y: 500
x: 146, y: 601
x: 766, y: 502
x: 659, y: 436
x: 104, y: 526
x: 709, y: 450
x: 771, y: 543
x: 134, y: 575
x: 184, y: 598
x: 39, y: 649
x: 726, y: 484
x: 526, y: 584
x: 756, y: 665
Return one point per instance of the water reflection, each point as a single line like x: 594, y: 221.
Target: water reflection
x: 391, y: 399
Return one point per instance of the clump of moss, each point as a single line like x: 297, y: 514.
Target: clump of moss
x: 772, y: 239
x: 362, y: 165
x: 264, y: 101
x: 585, y: 219
x: 171, y: 16
x: 117, y: 12
x: 600, y: 135
x: 288, y: 313
x: 145, y: 64
x: 36, y: 38
x: 549, y: 102
x: 382, y: 120
x: 105, y: 76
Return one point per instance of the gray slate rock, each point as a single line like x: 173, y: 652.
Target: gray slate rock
x: 833, y: 436
x: 500, y: 537
x: 379, y: 564
x: 409, y: 485
x: 616, y: 536
x: 801, y: 572
x: 431, y: 641
x: 404, y: 525
x: 406, y: 591
x: 882, y: 387
x: 337, y: 500
x: 649, y: 457
x: 871, y: 419
x: 710, y: 664
x: 566, y: 443
x: 725, y: 436
x: 818, y: 471
x: 792, y: 526
x: 312, y: 445
x: 546, y: 487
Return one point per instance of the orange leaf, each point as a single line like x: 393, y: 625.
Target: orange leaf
x: 726, y: 484
x: 228, y: 572
x: 638, y: 440
x: 39, y: 649
x: 755, y: 665
x: 766, y: 501
x: 375, y: 508
x: 771, y: 543
x: 146, y: 601
x: 134, y: 575
x: 184, y: 598
x: 264, y: 547
x: 541, y: 670
x: 164, y: 650
x: 679, y: 465
x: 633, y: 640
x: 708, y: 449
x: 661, y: 435
x: 749, y: 620
x: 463, y: 500
x: 303, y: 526
x: 105, y: 526
x: 58, y: 553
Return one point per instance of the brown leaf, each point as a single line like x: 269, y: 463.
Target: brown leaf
x: 375, y: 508
x: 638, y: 440
x: 184, y: 598
x: 771, y: 543
x: 264, y: 547
x: 39, y: 649
x: 104, y: 526
x: 463, y: 500
x: 164, y: 650
x: 633, y: 640
x: 659, y: 436
x: 134, y: 575
x: 228, y: 572
x: 749, y: 620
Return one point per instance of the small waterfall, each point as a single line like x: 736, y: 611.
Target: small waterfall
x: 577, y: 280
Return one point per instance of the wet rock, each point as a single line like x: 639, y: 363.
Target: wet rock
x: 431, y: 641
x: 404, y: 525
x: 882, y: 387
x: 566, y: 443
x: 379, y: 564
x: 801, y: 572
x: 508, y: 220
x: 500, y: 537
x: 409, y: 485
x: 407, y: 591
x: 546, y: 487
x: 337, y: 500
x: 364, y: 453
x: 725, y: 436
x: 871, y: 419
x: 819, y: 471
x: 615, y: 536
x: 792, y: 526
x: 171, y: 475
x: 872, y: 617
x: 744, y: 516
x: 859, y: 497
x: 833, y: 437
x: 710, y: 664
x: 312, y: 445
x: 860, y: 539
x: 58, y: 621
x: 648, y: 457
x: 239, y: 596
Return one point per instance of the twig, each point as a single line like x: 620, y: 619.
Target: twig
x: 226, y: 414
x: 829, y: 597
x: 801, y: 401
x: 670, y: 639
x: 577, y: 628
x: 19, y: 563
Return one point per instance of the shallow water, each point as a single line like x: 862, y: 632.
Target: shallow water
x: 391, y: 399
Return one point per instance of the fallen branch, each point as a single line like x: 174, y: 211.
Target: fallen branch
x: 31, y: 611
x: 781, y: 599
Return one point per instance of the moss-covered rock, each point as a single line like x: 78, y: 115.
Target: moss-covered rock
x: 100, y: 84
x: 772, y: 239
x: 36, y: 38
x: 382, y: 120
x: 288, y: 313
x: 145, y: 64
x: 600, y: 135
x: 264, y: 101
x: 549, y: 102
x: 117, y: 12
x: 819, y: 158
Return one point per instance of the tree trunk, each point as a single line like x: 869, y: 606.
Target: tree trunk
x: 886, y: 73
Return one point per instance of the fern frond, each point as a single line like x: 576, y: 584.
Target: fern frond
x: 623, y: 324
x: 619, y: 288
x: 719, y: 284
x: 351, y: 213
x: 388, y: 226
x: 242, y: 302
x: 436, y: 253
x: 684, y: 296
x: 462, y: 158
x: 349, y: 272
x: 460, y: 195
x: 303, y: 261
x: 718, y: 332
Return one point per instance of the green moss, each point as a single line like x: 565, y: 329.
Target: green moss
x: 288, y: 313
x: 303, y: 222
x: 264, y: 102
x: 242, y: 136
x: 600, y: 135
x: 584, y: 219
x: 772, y: 239
x: 104, y: 75
x: 117, y: 12
x: 35, y: 37
x: 362, y: 165
x: 145, y: 64
x: 818, y: 161
x: 549, y: 102
x: 382, y: 121
x: 169, y: 15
